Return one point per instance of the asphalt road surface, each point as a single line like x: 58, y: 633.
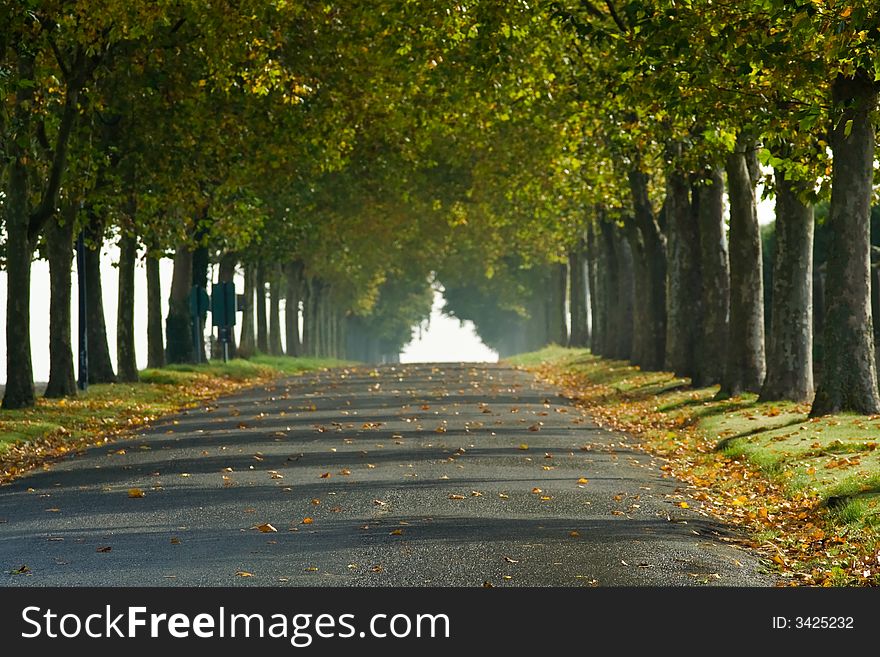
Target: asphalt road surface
x: 419, y: 475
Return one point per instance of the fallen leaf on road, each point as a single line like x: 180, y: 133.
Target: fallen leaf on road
x: 509, y: 560
x: 476, y: 493
x: 316, y: 501
x: 265, y: 528
x: 105, y: 548
x: 583, y: 480
x: 488, y: 585
x: 545, y: 498
x: 377, y: 569
x: 307, y: 521
x: 311, y: 569
x: 684, y: 505
x: 135, y: 492
x: 504, y: 496
x: 523, y: 446
x: 574, y: 534
x: 537, y: 490
x: 345, y: 472
x: 370, y: 466
x: 395, y: 532
x: 175, y: 541
x: 535, y: 427
x: 22, y: 570
x: 326, y: 475
x: 454, y: 496
x: 379, y: 503
x: 243, y: 573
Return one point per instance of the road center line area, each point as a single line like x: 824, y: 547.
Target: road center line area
x: 399, y: 475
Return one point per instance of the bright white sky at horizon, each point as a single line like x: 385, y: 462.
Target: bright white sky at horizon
x: 446, y: 340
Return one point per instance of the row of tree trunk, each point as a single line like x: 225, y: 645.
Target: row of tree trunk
x: 689, y: 297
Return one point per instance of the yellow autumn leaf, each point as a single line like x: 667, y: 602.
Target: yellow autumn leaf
x: 684, y: 505
x: 395, y: 532
x: 243, y: 573
x: 583, y: 480
x: 523, y: 446
x: 266, y: 528
x: 307, y: 520
x: 135, y: 492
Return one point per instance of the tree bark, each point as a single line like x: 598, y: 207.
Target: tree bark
x: 155, y: 340
x: 616, y: 274
x: 59, y: 246
x: 648, y: 248
x: 293, y: 278
x: 849, y: 374
x: 715, y: 291
x: 23, y: 226
x: 100, y: 364
x: 275, y: 347
x: 790, y: 342
x: 557, y: 332
x: 579, y: 334
x: 262, y: 320
x: 247, y: 345
x: 597, y: 334
x: 746, y: 367
x: 178, y: 324
x: 683, y: 311
x: 126, y: 359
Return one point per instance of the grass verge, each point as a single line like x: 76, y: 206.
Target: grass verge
x: 33, y: 437
x: 807, y: 490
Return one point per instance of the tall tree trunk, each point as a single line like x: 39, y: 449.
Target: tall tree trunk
x: 226, y: 274
x: 262, y: 323
x: 247, y: 346
x: 59, y: 245
x: 616, y: 268
x: 307, y: 348
x: 849, y: 374
x: 557, y: 332
x: 155, y: 339
x: 178, y: 324
x: 597, y: 335
x: 579, y: 335
x: 745, y: 368
x: 19, y: 391
x: 275, y: 347
x: 293, y: 278
x: 648, y: 247
x: 126, y: 360
x: 790, y: 342
x: 24, y: 225
x: 714, y: 267
x: 683, y: 312
x: 201, y: 260
x: 100, y: 364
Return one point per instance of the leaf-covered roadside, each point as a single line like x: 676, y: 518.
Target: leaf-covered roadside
x: 35, y: 437
x: 805, y: 490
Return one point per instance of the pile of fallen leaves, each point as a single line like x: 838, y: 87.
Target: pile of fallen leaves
x: 794, y: 531
x: 90, y: 429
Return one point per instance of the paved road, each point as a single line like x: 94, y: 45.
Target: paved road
x: 410, y: 475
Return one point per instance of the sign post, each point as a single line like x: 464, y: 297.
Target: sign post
x: 223, y: 307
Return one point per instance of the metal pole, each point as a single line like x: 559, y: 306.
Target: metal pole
x: 83, y: 380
